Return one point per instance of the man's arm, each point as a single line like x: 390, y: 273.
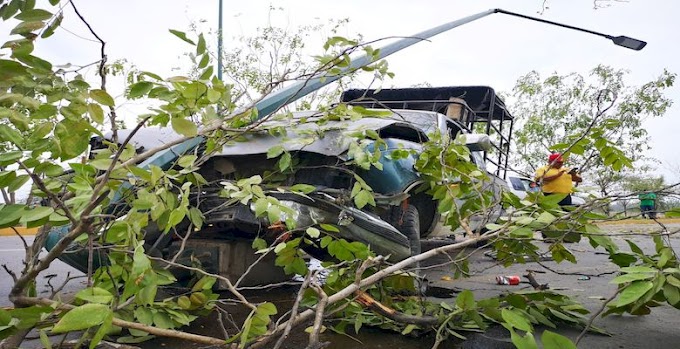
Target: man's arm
x: 555, y: 176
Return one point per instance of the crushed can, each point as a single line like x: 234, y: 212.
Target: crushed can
x: 508, y: 279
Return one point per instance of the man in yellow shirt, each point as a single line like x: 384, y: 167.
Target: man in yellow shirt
x: 557, y: 179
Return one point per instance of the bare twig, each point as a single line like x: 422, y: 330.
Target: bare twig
x: 318, y: 319
x: 294, y: 310
x: 10, y: 272
x: 595, y: 315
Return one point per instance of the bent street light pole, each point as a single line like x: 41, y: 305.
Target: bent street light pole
x: 623, y: 41
x: 287, y: 95
x: 275, y: 101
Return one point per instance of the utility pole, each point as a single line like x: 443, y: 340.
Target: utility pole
x: 219, y: 43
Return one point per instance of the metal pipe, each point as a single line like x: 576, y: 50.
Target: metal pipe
x: 219, y: 43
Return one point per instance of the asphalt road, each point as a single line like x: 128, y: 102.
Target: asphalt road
x: 655, y: 331
x: 12, y: 256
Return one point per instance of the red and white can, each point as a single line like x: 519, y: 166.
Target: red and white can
x: 508, y: 279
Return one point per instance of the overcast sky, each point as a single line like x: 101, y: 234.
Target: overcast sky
x: 493, y: 51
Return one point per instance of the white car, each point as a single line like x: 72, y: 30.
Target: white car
x: 521, y: 185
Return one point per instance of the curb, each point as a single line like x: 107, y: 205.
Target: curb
x: 21, y: 230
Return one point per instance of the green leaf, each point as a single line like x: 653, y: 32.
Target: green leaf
x: 552, y: 340
x: 213, y: 95
x: 36, y: 62
x: 207, y: 73
x: 184, y: 127
x: 95, y: 295
x: 631, y: 277
x: 274, y: 151
x: 102, y: 97
x: 45, y: 340
x: 330, y: 228
x: 8, y: 134
x: 671, y: 293
x: 522, y: 232
x: 196, y: 217
x: 82, y: 317
x: 11, y: 69
x: 140, y: 89
x: 25, y: 28
x: 259, y: 244
x: 72, y: 138
x: 181, y: 35
x: 632, y: 293
x: 205, y: 59
x: 10, y: 215
x: 194, y: 90
x: 516, y: 319
x: 147, y: 295
x: 36, y: 214
x: 10, y: 9
x: 34, y: 15
x: 53, y: 26
x: 363, y: 198
x: 303, y: 188
x: 163, y: 320
x: 200, y: 47
x: 17, y: 183
x: 96, y: 112
x: 205, y: 283
x: 279, y: 247
x: 284, y: 161
x: 102, y: 331
x: 10, y: 156
x: 523, y: 342
x: 466, y: 300
x: 313, y: 232
x: 267, y: 309
x: 673, y: 280
x: 187, y: 160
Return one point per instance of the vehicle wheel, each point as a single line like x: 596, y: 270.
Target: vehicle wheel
x: 407, y: 221
x: 427, y: 213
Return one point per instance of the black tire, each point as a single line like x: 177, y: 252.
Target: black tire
x: 407, y: 221
x: 427, y: 212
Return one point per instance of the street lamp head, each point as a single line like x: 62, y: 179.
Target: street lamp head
x: 633, y: 44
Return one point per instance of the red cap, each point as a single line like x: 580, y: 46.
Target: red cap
x: 555, y: 156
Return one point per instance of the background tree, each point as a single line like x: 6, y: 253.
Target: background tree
x: 594, y: 119
x: 261, y: 63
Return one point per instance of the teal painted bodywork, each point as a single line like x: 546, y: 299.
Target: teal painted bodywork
x: 397, y: 175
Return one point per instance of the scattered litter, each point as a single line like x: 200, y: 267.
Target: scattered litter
x: 584, y: 277
x: 508, y: 280
x: 446, y: 278
x: 599, y: 298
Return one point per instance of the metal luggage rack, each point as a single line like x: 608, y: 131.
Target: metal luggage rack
x: 486, y: 112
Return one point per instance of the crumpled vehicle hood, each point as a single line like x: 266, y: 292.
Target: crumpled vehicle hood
x: 331, y: 138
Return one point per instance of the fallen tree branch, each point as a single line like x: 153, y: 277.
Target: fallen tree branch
x: 350, y: 289
x: 294, y: 310
x: 595, y: 315
x: 318, y: 319
x: 369, y: 302
x: 28, y: 301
